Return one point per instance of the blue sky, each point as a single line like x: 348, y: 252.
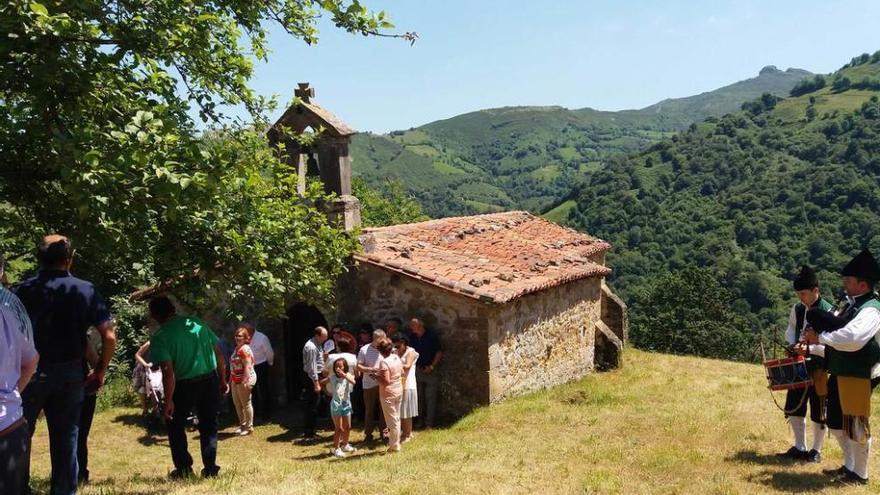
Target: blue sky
x: 609, y: 55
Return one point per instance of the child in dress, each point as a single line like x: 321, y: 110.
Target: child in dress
x: 341, y: 385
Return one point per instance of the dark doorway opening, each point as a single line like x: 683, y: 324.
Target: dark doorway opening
x: 300, y: 326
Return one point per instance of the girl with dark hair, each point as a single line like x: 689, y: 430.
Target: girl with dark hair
x: 341, y: 384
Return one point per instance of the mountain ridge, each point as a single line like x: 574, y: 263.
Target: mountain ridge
x: 528, y: 157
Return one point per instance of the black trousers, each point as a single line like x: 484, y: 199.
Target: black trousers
x: 311, y: 407
x: 86, y: 415
x: 262, y: 392
x: 817, y: 408
x: 834, y: 416
x: 203, y: 395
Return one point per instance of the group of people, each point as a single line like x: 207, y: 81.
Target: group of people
x: 385, y: 370
x: 51, y: 366
x: 842, y: 345
x: 58, y: 337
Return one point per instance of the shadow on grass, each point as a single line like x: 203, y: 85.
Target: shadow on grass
x: 148, y: 485
x: 782, y: 479
x: 154, y: 432
x: 350, y: 457
x: 786, y: 481
x: 752, y: 457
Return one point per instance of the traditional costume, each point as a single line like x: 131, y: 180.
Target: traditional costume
x: 852, y: 355
x: 797, y: 400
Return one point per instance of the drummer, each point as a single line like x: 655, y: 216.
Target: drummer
x: 852, y: 354
x: 806, y: 286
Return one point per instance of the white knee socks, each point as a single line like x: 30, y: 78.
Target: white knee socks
x: 860, y: 453
x: 799, y: 428
x: 844, y: 442
x: 818, y: 436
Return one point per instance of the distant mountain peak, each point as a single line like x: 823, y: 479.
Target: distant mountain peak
x: 769, y: 69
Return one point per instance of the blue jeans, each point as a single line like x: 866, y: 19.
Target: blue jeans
x: 15, y: 450
x: 57, y: 390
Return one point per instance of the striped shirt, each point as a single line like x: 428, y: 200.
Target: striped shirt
x: 13, y: 303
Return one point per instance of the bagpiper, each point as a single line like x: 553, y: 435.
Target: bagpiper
x: 852, y: 355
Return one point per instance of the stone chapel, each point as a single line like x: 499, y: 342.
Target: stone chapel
x: 519, y: 303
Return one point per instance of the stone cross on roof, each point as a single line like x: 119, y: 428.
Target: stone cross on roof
x: 304, y: 92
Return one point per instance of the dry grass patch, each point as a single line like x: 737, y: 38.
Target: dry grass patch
x: 664, y: 424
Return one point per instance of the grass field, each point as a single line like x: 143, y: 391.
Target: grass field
x: 662, y: 424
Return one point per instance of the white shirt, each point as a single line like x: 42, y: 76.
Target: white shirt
x: 791, y: 330
x: 370, y: 357
x: 855, y: 334
x: 15, y: 351
x: 262, y: 349
x: 410, y: 382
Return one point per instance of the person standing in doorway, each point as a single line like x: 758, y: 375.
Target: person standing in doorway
x: 264, y: 359
x: 62, y: 308
x: 426, y: 343
x: 313, y: 365
x: 193, y: 376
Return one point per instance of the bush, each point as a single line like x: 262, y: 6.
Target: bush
x: 117, y: 393
x: 131, y: 333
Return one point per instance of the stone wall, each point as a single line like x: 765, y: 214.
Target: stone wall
x: 543, y: 339
x: 375, y: 295
x: 614, y: 314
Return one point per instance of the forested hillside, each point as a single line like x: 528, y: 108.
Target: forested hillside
x: 529, y: 157
x: 729, y: 209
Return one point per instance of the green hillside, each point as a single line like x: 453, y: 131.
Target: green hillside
x: 530, y: 157
x: 749, y: 197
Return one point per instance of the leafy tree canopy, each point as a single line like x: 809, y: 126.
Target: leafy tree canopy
x: 99, y: 143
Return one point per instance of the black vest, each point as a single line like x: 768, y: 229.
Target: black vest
x: 855, y: 364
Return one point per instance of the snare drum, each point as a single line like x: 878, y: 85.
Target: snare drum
x: 788, y: 373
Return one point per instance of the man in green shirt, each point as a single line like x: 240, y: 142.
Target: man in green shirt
x: 194, y: 376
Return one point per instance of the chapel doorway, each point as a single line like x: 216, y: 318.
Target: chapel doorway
x: 299, y: 327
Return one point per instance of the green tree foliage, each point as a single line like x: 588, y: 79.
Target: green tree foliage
x: 841, y: 84
x: 749, y: 196
x: 99, y: 143
x: 388, y: 205
x: 808, y: 85
x: 690, y: 313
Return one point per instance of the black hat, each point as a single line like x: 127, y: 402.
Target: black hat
x: 824, y: 321
x: 806, y: 279
x: 863, y: 266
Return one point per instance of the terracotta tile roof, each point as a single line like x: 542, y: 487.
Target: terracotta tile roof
x: 495, y: 258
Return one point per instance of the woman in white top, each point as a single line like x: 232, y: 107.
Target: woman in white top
x: 409, y: 406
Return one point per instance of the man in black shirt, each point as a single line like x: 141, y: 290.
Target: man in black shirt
x: 426, y: 343
x: 62, y: 308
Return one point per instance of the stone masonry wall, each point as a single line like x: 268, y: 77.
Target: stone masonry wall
x: 375, y: 295
x: 543, y: 339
